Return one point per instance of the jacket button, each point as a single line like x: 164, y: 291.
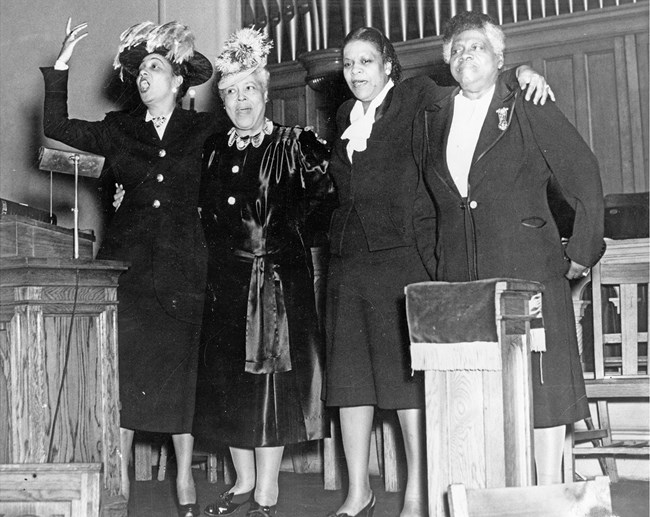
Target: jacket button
x: 235, y: 169
x: 162, y: 153
x: 231, y: 200
x: 473, y: 204
x: 156, y: 203
x: 159, y: 178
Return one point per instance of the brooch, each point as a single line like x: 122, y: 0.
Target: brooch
x: 503, y: 121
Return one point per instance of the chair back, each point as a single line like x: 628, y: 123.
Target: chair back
x: 580, y: 499
x: 624, y: 269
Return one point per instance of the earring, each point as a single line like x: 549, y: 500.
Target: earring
x: 174, y: 89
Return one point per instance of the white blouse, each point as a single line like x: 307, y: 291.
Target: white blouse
x: 466, y: 125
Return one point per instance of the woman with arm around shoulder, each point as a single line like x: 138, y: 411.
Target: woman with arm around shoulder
x: 155, y: 151
x: 489, y: 159
x: 380, y: 241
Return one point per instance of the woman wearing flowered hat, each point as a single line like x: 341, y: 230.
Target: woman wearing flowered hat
x: 260, y: 369
x: 154, y: 151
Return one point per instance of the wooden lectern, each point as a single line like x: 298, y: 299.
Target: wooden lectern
x: 472, y: 341
x: 59, y: 396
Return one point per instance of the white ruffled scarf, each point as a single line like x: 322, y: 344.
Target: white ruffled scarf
x: 361, y: 123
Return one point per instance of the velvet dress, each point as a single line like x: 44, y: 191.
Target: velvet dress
x: 156, y: 230
x: 260, y: 366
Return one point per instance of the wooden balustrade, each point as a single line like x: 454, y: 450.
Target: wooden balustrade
x: 298, y: 26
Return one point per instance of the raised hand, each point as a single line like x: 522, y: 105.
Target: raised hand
x: 72, y: 37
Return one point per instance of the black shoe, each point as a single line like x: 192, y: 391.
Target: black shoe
x: 257, y: 510
x: 367, y: 511
x: 227, y: 503
x: 189, y: 510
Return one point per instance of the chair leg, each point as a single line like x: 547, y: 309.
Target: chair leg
x: 605, y: 423
x: 212, y: 468
x: 568, y: 460
x: 162, y: 460
x: 142, y: 461
x: 332, y: 452
x: 391, y: 447
x: 299, y: 458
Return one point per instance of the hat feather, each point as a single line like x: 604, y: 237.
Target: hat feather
x: 177, y: 38
x: 132, y: 37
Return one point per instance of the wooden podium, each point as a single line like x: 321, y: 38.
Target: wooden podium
x: 59, y: 396
x: 472, y: 341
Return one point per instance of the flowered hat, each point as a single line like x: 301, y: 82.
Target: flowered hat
x: 172, y: 40
x: 244, y: 52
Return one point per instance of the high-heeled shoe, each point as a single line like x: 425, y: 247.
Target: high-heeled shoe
x: 227, y: 503
x: 366, y: 511
x: 189, y: 510
x: 257, y: 510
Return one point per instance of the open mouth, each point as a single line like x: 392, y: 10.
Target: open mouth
x: 144, y: 85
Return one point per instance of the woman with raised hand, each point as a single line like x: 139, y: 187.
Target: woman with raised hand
x: 155, y: 152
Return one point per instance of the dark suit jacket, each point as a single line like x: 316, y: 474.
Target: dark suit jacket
x: 164, y: 242
x: 505, y: 226
x: 381, y: 183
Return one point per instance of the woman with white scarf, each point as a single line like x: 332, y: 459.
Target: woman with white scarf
x: 374, y: 255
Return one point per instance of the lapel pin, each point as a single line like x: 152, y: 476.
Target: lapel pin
x: 503, y: 118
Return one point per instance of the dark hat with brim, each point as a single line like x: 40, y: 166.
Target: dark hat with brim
x: 173, y: 41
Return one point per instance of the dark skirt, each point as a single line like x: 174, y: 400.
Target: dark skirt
x: 240, y: 409
x: 157, y: 365
x: 368, y: 356
x: 558, y: 384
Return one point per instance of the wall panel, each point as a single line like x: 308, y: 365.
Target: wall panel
x: 596, y: 61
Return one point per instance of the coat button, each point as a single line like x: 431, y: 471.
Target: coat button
x: 473, y: 204
x: 156, y: 203
x: 235, y: 169
x: 231, y: 200
x: 162, y: 153
x: 159, y: 178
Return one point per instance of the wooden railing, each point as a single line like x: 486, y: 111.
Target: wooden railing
x: 298, y: 26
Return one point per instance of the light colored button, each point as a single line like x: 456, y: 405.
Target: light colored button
x: 473, y: 204
x: 156, y: 203
x: 159, y: 178
x: 235, y: 168
x: 162, y: 153
x: 231, y: 200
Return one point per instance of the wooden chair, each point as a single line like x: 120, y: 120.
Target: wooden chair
x: 620, y: 356
x: 148, y: 454
x: 582, y: 499
x: 391, y: 460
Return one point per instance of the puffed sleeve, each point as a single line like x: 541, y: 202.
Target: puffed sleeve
x: 320, y: 194
x: 93, y: 137
x: 575, y: 168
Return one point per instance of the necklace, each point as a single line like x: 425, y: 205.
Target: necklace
x: 256, y: 140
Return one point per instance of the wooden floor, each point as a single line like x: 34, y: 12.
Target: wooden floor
x: 302, y: 495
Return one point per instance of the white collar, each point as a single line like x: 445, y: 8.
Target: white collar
x: 358, y: 132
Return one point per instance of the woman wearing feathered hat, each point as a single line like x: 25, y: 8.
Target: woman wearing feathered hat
x: 260, y: 369
x: 154, y: 151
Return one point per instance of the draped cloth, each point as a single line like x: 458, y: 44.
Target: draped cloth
x: 267, y: 327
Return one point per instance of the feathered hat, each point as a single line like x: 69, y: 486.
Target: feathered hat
x: 172, y: 40
x: 243, y: 53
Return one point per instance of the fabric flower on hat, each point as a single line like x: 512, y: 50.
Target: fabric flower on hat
x: 244, y: 52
